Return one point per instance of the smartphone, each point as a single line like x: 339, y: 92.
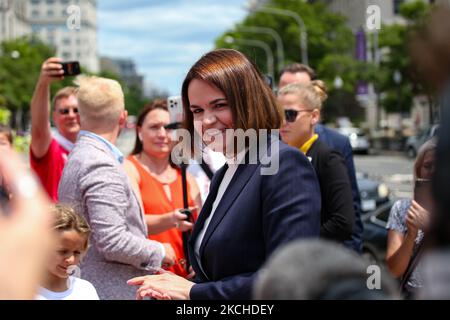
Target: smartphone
x: 188, y: 213
x: 71, y: 68
x: 175, y: 106
x: 422, y: 193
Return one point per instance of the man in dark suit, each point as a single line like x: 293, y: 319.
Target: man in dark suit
x: 300, y: 73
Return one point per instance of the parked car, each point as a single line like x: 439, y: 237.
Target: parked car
x: 358, y: 140
x: 414, y: 143
x: 372, y: 193
x: 375, y: 233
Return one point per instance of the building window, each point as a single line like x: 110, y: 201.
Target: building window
x: 50, y: 1
x: 397, y: 4
x: 66, y: 55
x: 35, y: 13
x: 35, y: 2
x: 50, y: 13
x: 65, y: 1
x: 66, y: 41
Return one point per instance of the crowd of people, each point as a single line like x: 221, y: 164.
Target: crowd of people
x: 112, y: 226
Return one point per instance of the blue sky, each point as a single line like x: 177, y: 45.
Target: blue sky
x: 164, y: 37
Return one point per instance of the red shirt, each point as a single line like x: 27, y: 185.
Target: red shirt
x: 49, y: 168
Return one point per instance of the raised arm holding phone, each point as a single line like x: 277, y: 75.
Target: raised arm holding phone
x: 48, y: 151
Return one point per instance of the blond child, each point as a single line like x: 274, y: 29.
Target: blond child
x: 72, y: 234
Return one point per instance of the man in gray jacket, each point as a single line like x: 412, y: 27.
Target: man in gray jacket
x: 95, y: 184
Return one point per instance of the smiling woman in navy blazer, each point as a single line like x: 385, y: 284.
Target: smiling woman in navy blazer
x: 251, y: 209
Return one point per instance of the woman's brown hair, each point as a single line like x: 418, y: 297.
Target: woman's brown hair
x: 252, y: 102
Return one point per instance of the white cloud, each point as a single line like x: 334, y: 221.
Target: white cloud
x: 165, y: 40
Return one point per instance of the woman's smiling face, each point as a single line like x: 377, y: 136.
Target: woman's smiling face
x: 211, y: 112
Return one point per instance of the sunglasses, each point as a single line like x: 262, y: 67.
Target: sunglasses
x: 173, y: 126
x: 65, y: 111
x: 291, y: 115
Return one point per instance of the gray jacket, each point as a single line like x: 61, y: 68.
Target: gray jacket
x: 95, y: 184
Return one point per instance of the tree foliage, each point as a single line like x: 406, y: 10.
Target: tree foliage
x: 394, y: 40
x: 20, y: 64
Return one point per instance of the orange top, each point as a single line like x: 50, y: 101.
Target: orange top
x: 155, y: 201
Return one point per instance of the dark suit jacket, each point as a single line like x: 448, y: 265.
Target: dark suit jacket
x: 256, y: 215
x: 340, y: 143
x: 338, y: 215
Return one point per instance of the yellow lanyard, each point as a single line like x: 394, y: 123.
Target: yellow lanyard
x: 307, y: 145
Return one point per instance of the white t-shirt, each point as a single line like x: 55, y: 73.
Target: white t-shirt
x: 79, y: 289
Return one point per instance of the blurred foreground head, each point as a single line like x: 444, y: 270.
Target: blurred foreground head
x: 431, y: 52
x: 319, y: 270
x: 430, y: 48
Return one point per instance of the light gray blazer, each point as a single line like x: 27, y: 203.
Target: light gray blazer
x: 95, y: 184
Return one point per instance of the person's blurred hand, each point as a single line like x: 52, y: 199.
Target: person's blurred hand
x: 417, y: 217
x: 51, y: 70
x: 26, y: 237
x: 170, y: 258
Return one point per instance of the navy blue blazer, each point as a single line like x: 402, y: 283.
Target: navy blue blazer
x: 340, y: 143
x: 256, y: 215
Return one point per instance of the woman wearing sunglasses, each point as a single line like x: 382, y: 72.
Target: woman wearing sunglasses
x: 302, y: 104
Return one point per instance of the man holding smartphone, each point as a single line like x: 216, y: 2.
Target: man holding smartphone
x: 49, y: 150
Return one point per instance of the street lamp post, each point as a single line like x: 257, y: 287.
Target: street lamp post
x: 277, y: 38
x: 258, y: 44
x: 338, y: 83
x: 398, y: 79
x: 298, y: 19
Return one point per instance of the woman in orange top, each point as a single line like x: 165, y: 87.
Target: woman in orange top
x: 159, y: 182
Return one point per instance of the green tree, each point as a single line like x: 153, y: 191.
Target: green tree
x: 330, y: 46
x: 394, y: 40
x: 327, y: 33
x: 20, y: 63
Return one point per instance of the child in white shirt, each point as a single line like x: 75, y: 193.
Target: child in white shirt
x: 72, y: 234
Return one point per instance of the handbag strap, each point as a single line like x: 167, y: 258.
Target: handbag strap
x: 412, y: 264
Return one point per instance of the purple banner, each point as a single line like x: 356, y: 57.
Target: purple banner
x: 361, y: 55
x: 361, y: 45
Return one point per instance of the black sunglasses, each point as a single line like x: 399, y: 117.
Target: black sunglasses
x: 66, y: 111
x: 291, y: 115
x: 173, y: 126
